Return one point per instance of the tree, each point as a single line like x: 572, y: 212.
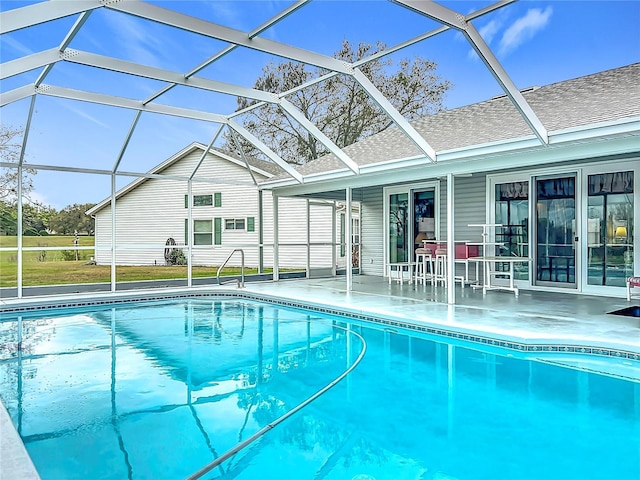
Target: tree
x: 10, y: 153
x: 339, y: 107
x: 35, y: 218
x: 8, y: 219
x: 73, y: 218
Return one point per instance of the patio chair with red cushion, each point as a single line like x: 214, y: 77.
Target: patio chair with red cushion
x: 632, y: 282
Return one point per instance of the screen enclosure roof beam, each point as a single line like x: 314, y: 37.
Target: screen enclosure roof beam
x: 460, y: 22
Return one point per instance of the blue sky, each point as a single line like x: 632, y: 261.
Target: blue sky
x: 537, y: 43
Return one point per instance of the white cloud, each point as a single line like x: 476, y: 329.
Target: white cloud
x: 489, y: 31
x: 15, y: 45
x: 524, y: 28
x: 81, y: 113
x: 140, y: 39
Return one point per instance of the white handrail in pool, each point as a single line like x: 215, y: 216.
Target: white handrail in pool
x: 240, y: 446
x: 241, y: 281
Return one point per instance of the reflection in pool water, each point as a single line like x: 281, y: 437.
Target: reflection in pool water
x: 159, y: 389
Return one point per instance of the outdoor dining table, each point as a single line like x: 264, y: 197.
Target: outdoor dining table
x: 490, y: 271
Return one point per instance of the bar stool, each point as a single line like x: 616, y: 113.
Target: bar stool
x: 424, y: 265
x: 440, y: 271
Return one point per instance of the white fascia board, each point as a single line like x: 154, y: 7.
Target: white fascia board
x: 291, y: 109
x: 220, y: 32
x: 523, y: 152
x: 538, y: 156
x: 17, y: 94
x: 28, y: 63
x: 19, y: 18
x: 131, y: 68
x: 121, y: 102
x: 266, y: 150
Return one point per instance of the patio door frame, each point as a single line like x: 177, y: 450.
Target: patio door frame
x: 492, y: 181
x: 582, y: 172
x: 408, y: 189
x: 577, y: 240
x: 610, y: 167
x: 531, y: 176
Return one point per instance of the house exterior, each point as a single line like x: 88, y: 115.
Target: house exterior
x: 566, y: 204
x: 152, y: 217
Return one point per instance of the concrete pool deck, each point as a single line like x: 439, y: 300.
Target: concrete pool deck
x: 532, y: 317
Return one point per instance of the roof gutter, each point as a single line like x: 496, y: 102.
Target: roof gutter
x: 566, y: 144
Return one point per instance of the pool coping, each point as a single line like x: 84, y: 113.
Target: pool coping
x: 489, y: 337
x: 18, y: 464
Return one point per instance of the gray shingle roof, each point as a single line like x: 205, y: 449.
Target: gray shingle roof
x: 601, y: 97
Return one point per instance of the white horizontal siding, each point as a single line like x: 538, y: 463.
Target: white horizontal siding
x: 155, y: 211
x: 371, y: 228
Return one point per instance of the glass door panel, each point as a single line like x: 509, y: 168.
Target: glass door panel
x: 512, y: 212
x: 610, y: 228
x: 555, y: 257
x: 399, y: 245
x: 424, y: 216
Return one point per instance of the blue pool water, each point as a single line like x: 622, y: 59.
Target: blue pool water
x: 157, y: 390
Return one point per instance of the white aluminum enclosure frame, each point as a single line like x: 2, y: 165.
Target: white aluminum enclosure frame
x: 26, y: 17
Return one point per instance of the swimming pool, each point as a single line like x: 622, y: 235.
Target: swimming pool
x: 159, y: 389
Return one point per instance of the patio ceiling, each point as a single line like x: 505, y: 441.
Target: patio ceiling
x: 47, y: 61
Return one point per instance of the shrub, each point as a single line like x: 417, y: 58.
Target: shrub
x: 177, y: 257
x: 68, y: 255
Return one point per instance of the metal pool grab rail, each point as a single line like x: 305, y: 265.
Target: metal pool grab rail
x: 240, y: 446
x: 241, y: 281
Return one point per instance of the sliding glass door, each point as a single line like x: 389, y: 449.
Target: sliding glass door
x: 511, y: 200
x: 398, y: 223
x: 610, y: 227
x: 411, y: 213
x: 556, y: 236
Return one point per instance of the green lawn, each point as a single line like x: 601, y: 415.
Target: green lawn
x: 50, y: 268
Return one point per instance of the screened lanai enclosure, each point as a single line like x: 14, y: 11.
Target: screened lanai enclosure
x: 149, y: 112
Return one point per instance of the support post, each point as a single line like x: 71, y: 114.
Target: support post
x: 308, y: 240
x: 451, y: 246
x: 349, y: 239
x: 276, y: 246
x: 113, y: 232
x: 190, y: 236
x: 260, y: 234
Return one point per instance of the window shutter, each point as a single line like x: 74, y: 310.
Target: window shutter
x: 217, y: 199
x: 186, y: 230
x: 186, y: 201
x: 251, y: 224
x: 217, y: 231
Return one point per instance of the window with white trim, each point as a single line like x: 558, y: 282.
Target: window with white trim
x: 234, y: 224
x: 202, y: 232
